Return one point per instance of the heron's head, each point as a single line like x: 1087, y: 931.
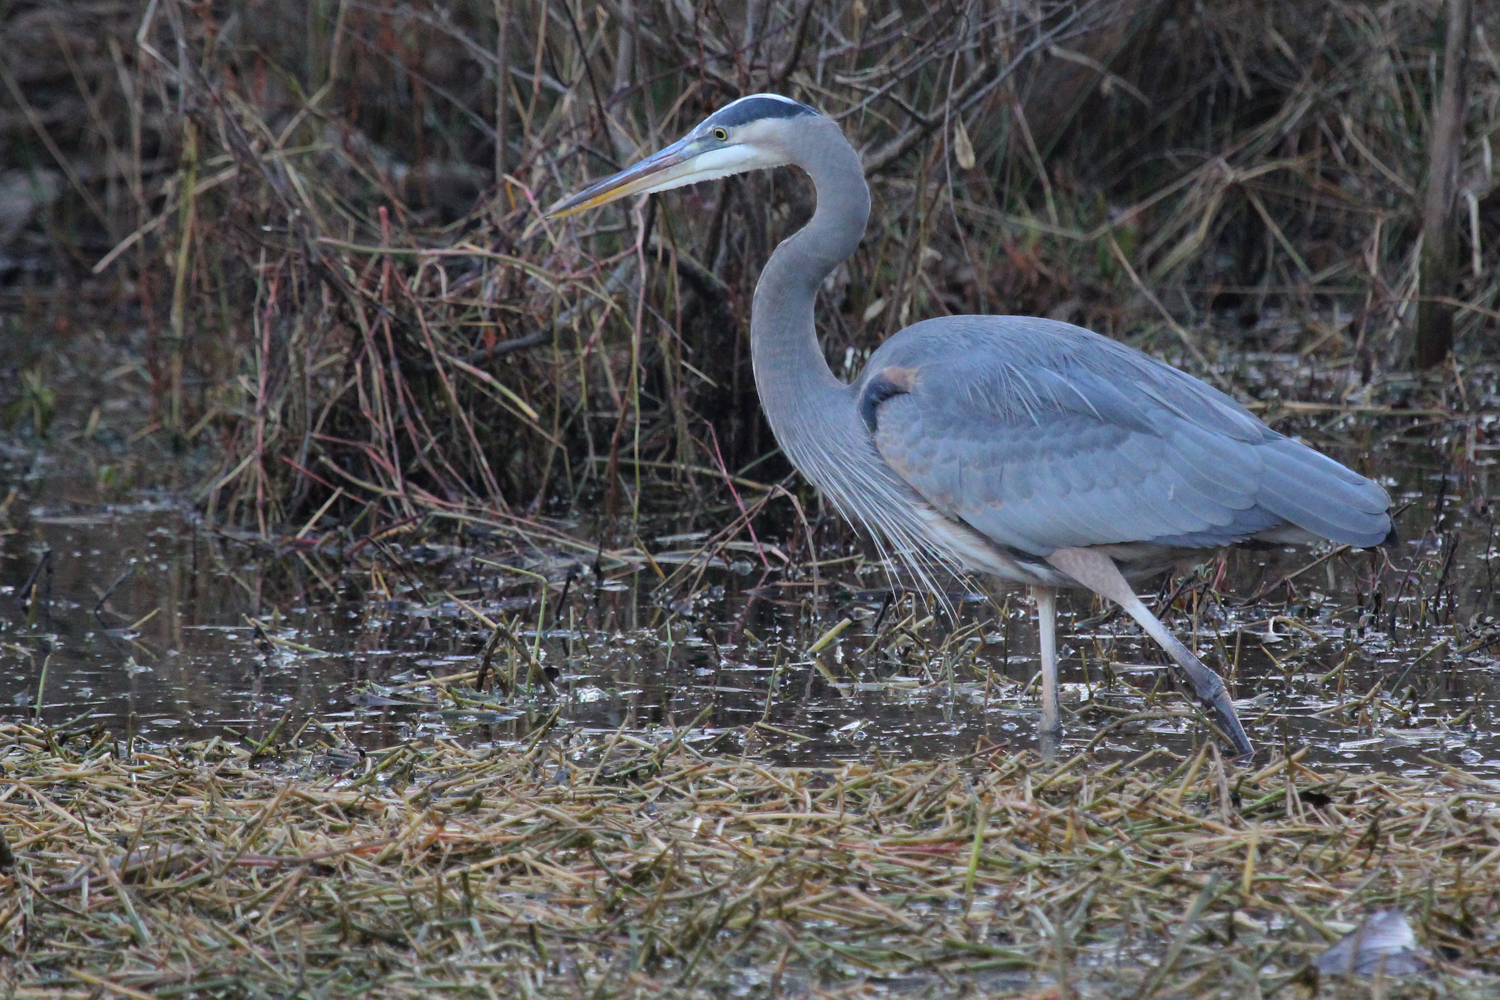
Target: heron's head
x: 753, y: 133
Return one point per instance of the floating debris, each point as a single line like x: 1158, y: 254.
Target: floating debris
x: 1383, y: 944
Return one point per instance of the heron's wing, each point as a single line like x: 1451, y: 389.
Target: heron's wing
x: 1041, y: 435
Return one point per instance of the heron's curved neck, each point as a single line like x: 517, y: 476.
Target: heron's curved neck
x: 790, y: 371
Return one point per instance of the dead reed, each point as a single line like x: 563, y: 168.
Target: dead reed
x: 628, y: 866
x: 337, y: 281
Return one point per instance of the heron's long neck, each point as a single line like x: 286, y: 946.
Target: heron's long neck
x: 799, y: 392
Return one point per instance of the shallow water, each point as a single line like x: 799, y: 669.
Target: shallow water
x: 138, y: 618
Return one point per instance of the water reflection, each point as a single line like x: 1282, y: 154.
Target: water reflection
x: 140, y: 619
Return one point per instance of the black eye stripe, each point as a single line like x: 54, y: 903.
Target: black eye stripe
x: 757, y: 109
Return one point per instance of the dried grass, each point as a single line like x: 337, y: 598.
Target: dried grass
x: 625, y: 867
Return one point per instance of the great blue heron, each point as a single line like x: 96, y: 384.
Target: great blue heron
x: 1025, y: 448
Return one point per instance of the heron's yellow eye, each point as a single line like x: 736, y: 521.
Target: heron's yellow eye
x: 722, y: 134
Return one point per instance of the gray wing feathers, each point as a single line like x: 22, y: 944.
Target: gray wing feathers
x: 1042, y: 435
x: 1314, y: 492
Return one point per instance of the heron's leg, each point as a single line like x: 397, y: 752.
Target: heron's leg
x: 1098, y: 572
x: 1046, y: 624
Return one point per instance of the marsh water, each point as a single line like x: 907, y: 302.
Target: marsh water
x: 130, y: 614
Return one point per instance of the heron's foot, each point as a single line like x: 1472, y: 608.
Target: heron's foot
x: 1214, y: 696
x: 1229, y: 721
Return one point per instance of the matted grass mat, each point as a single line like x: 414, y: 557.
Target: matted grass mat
x: 617, y: 867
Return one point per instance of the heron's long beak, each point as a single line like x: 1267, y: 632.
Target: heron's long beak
x: 671, y: 167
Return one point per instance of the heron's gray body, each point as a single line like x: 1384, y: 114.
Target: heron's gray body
x: 1038, y: 435
x: 1025, y: 448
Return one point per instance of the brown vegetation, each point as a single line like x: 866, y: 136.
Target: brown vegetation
x: 626, y: 867
x: 298, y: 208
